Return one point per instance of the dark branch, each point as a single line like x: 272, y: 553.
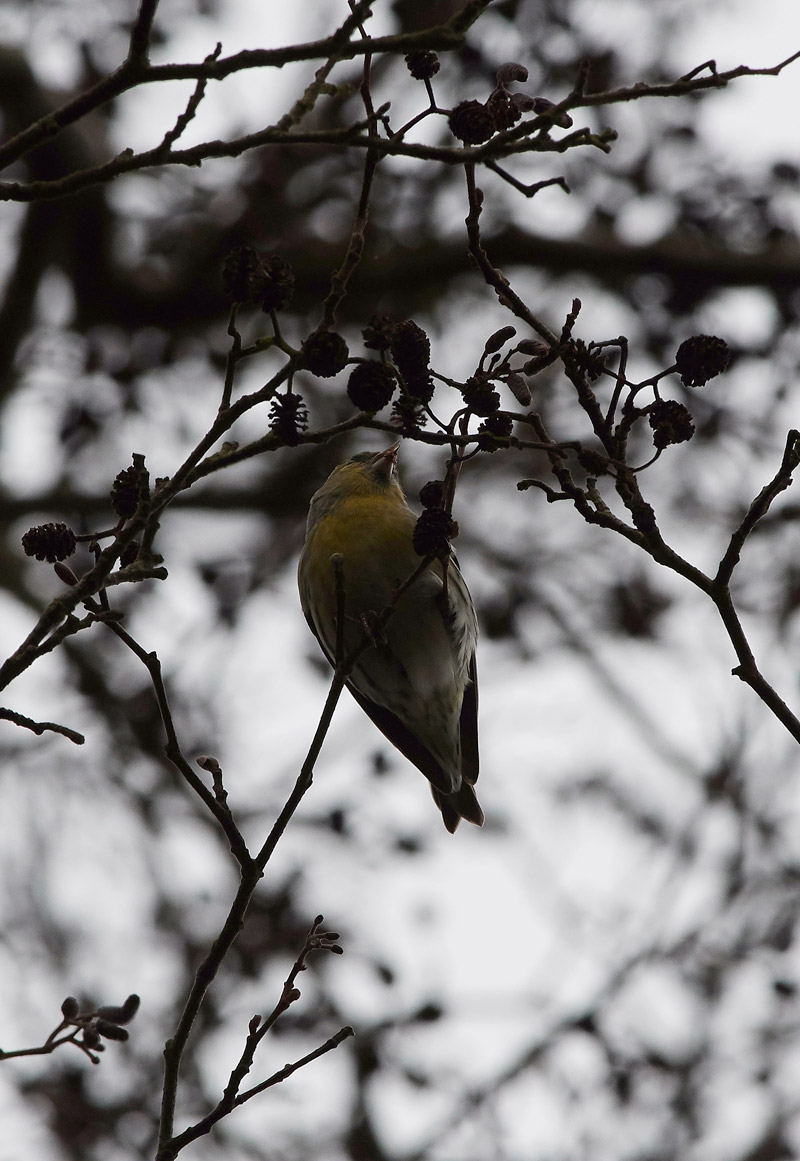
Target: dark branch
x: 141, y: 32
x: 759, y: 508
x: 40, y: 727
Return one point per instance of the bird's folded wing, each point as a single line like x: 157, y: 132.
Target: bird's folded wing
x: 405, y: 741
x: 469, y: 727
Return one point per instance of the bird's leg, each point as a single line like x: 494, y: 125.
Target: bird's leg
x: 373, y: 630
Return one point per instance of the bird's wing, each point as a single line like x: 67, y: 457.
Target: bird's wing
x: 460, y: 619
x: 405, y: 741
x: 462, y: 627
x: 393, y: 729
x: 469, y: 727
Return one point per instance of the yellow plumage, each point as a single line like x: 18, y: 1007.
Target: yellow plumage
x: 417, y: 681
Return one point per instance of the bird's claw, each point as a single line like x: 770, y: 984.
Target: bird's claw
x: 373, y: 630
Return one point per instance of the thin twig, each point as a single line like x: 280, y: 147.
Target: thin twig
x: 133, y: 574
x: 130, y: 162
x: 355, y: 246
x: 134, y: 74
x: 258, y: 1029
x: 42, y: 1050
x: 493, y: 276
x: 190, y: 112
x: 759, y: 507
x: 141, y: 32
x: 171, y: 1150
x: 288, y: 1069
x: 234, y: 354
x: 172, y: 749
x: 250, y: 876
x: 747, y: 670
x: 524, y: 138
x: 55, y: 622
x: 531, y: 190
x: 10, y: 715
x: 620, y: 380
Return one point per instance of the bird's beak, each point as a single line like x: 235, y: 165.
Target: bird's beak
x: 386, y: 461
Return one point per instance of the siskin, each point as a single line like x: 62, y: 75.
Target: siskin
x: 417, y: 679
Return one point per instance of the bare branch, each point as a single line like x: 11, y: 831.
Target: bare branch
x: 231, y: 1097
x: 189, y: 113
x: 518, y: 139
x: 747, y: 670
x: 494, y: 277
x: 759, y: 508
x: 355, y: 246
x: 141, y: 32
x: 528, y: 190
x: 287, y: 1070
x: 172, y: 749
x: 134, y: 73
x: 10, y: 715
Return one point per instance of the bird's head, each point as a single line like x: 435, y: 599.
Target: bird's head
x: 378, y: 468
x: 365, y: 475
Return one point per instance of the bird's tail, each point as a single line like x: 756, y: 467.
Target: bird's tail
x: 462, y: 804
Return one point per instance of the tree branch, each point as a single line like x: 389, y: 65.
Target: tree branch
x: 759, y: 508
x: 134, y: 73
x: 231, y: 1097
x: 10, y: 715
x: 141, y: 32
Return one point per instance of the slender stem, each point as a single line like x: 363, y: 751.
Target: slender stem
x: 620, y: 380
x: 355, y: 247
x: 35, y: 727
x: 288, y: 1069
x: 759, y: 507
x: 747, y: 669
x: 172, y: 749
x: 206, y: 973
x: 204, y: 977
x: 207, y: 1123
x: 258, y: 1029
x: 141, y: 32
x: 493, y: 276
x: 50, y: 1045
x: 233, y: 357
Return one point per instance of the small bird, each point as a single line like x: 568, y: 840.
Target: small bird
x: 417, y: 678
